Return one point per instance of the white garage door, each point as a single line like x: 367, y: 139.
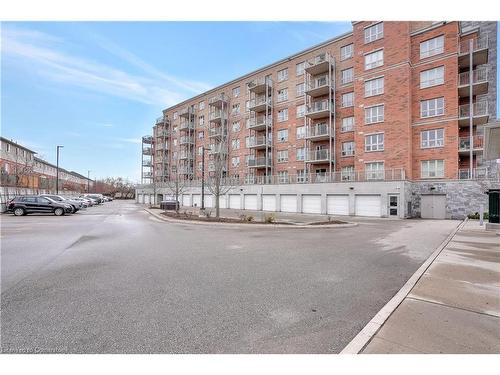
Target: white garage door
x: 140, y: 198
x: 433, y: 206
x: 197, y: 200
x: 234, y: 201
x: 250, y: 201
x: 311, y: 204
x: 186, y: 200
x: 368, y: 205
x: 337, y: 204
x: 269, y: 202
x: 223, y: 201
x: 288, y: 203
x: 146, y: 199
x: 209, y: 201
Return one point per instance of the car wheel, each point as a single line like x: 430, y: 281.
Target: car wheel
x: 59, y: 212
x: 19, y: 211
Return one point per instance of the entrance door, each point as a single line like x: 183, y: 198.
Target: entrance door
x: 393, y: 205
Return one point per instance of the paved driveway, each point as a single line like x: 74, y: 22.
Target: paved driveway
x: 115, y: 279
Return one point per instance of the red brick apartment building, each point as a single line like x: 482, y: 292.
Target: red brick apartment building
x: 388, y: 102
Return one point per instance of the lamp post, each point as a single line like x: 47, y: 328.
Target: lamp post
x: 88, y: 181
x: 57, y: 169
x: 203, y: 180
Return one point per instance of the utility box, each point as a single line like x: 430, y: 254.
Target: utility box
x: 169, y: 205
x: 494, y: 206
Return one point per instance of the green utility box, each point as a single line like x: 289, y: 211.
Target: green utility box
x: 494, y: 205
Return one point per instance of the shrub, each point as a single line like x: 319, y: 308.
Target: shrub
x: 475, y: 216
x: 249, y: 218
x: 269, y: 219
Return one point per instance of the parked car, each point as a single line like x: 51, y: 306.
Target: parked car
x: 85, y: 202
x: 97, y: 197
x: 23, y: 205
x: 77, y: 205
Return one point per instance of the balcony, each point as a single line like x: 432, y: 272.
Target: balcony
x: 260, y: 85
x: 482, y: 173
x: 259, y: 142
x: 464, y: 144
x: 186, y: 140
x: 217, y: 149
x: 185, y: 155
x: 319, y: 86
x: 147, y: 151
x: 186, y: 125
x: 219, y: 100
x: 318, y: 156
x: 163, y: 133
x: 216, y: 116
x: 259, y: 123
x: 160, y: 159
x: 160, y: 120
x: 147, y: 174
x: 319, y: 132
x: 217, y: 132
x: 479, y: 52
x: 259, y: 162
x: 186, y: 112
x: 147, y: 139
x: 162, y: 146
x: 480, y: 113
x: 479, y: 82
x: 319, y: 109
x: 185, y: 169
x: 162, y: 173
x: 260, y: 103
x: 319, y: 64
x: 147, y: 163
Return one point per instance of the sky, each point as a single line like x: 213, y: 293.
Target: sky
x: 97, y: 87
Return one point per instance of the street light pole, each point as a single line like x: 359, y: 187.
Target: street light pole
x: 57, y: 169
x: 203, y: 180
x: 88, y: 182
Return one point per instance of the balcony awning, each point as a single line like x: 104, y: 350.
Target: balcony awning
x: 492, y: 141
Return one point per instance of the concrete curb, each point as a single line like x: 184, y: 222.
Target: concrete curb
x: 232, y: 225
x: 362, y: 339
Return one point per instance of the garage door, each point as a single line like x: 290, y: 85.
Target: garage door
x: 288, y: 203
x: 234, y: 201
x: 197, y: 200
x: 368, y: 205
x: 250, y: 201
x: 337, y: 204
x: 433, y: 206
x: 146, y: 199
x: 223, y: 201
x: 269, y: 202
x: 186, y: 200
x: 209, y: 201
x: 311, y: 204
x: 140, y: 198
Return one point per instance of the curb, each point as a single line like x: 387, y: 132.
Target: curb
x: 359, y: 342
x: 232, y: 225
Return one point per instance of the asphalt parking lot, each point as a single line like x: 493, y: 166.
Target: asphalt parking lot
x: 114, y: 279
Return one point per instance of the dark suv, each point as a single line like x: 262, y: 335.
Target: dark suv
x: 77, y: 205
x: 28, y: 204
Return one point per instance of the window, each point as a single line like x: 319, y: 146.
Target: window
x: 283, y: 75
x: 236, y: 108
x: 300, y: 89
x: 301, y: 132
x: 348, y: 99
x: 299, y: 68
x: 374, y: 59
x: 247, y: 141
x: 236, y: 92
x: 175, y: 115
x: 201, y: 120
x: 374, y: 142
x: 301, y: 175
x: 432, y: 138
x: 282, y: 156
x: 347, y: 124
x: 283, y: 177
x: 347, y: 173
x: 247, y: 106
x: 432, y: 107
x: 235, y: 161
x: 374, y: 87
x: 282, y: 95
x: 375, y: 170
x: 301, y: 110
x: 432, y: 169
x: 348, y: 149
x: 235, y: 144
x: 282, y: 135
x: 374, y: 32
x: 432, y: 47
x: 283, y: 115
x: 247, y: 158
x: 175, y: 142
x: 201, y: 106
x: 200, y: 165
x: 374, y: 114
x: 301, y: 154
x: 347, y: 75
x: 432, y: 77
x: 236, y: 126
x: 201, y: 135
x: 200, y: 150
x: 346, y: 52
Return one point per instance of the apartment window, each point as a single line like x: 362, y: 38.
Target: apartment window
x: 374, y: 114
x: 432, y: 47
x: 347, y: 173
x: 282, y: 95
x: 175, y: 115
x: 201, y: 106
x: 301, y: 154
x: 374, y: 32
x: 347, y: 75
x: 432, y: 77
x: 236, y: 126
x: 374, y: 142
x: 346, y: 52
x: 283, y: 115
x: 236, y: 108
x: 201, y: 120
x: 301, y: 110
x: 235, y: 161
x: 432, y: 107
x: 374, y: 59
x: 432, y: 168
x: 282, y: 135
x: 200, y: 150
x: 348, y: 99
x: 299, y: 68
x: 236, y: 92
x: 301, y: 88
x: 247, y: 158
x: 201, y: 135
x: 282, y: 156
x: 432, y: 138
x: 247, y: 106
x: 235, y: 144
x: 175, y: 142
x: 374, y: 87
x: 247, y: 141
x: 347, y: 124
x: 283, y: 75
x: 301, y: 175
x: 374, y: 170
x: 301, y: 132
x: 283, y: 177
x: 347, y: 148
x: 200, y: 165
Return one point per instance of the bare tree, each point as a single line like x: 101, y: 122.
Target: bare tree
x: 176, y: 184
x: 23, y: 171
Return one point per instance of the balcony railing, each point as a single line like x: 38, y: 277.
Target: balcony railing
x: 186, y: 140
x: 318, y: 156
x: 258, y: 122
x: 477, y: 44
x: 217, y: 131
x: 263, y: 81
x: 319, y: 106
x: 147, y: 139
x: 147, y: 174
x: 318, y: 130
x: 186, y: 112
x: 258, y: 101
x: 218, y: 99
x: 163, y: 133
x: 160, y: 120
x: 147, y: 164
x: 259, y: 162
x: 147, y: 151
x: 480, y: 108
x: 162, y: 146
x: 479, y: 75
x: 186, y: 125
x: 318, y: 83
x: 215, y: 115
x: 319, y: 59
x: 259, y: 141
x: 217, y: 149
x: 478, y: 174
x: 464, y: 143
x: 185, y: 155
x: 185, y: 169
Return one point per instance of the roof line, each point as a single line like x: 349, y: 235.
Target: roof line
x: 17, y: 144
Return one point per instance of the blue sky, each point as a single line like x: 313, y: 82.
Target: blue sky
x: 97, y: 87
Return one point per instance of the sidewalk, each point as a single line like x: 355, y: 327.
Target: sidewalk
x: 455, y: 305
